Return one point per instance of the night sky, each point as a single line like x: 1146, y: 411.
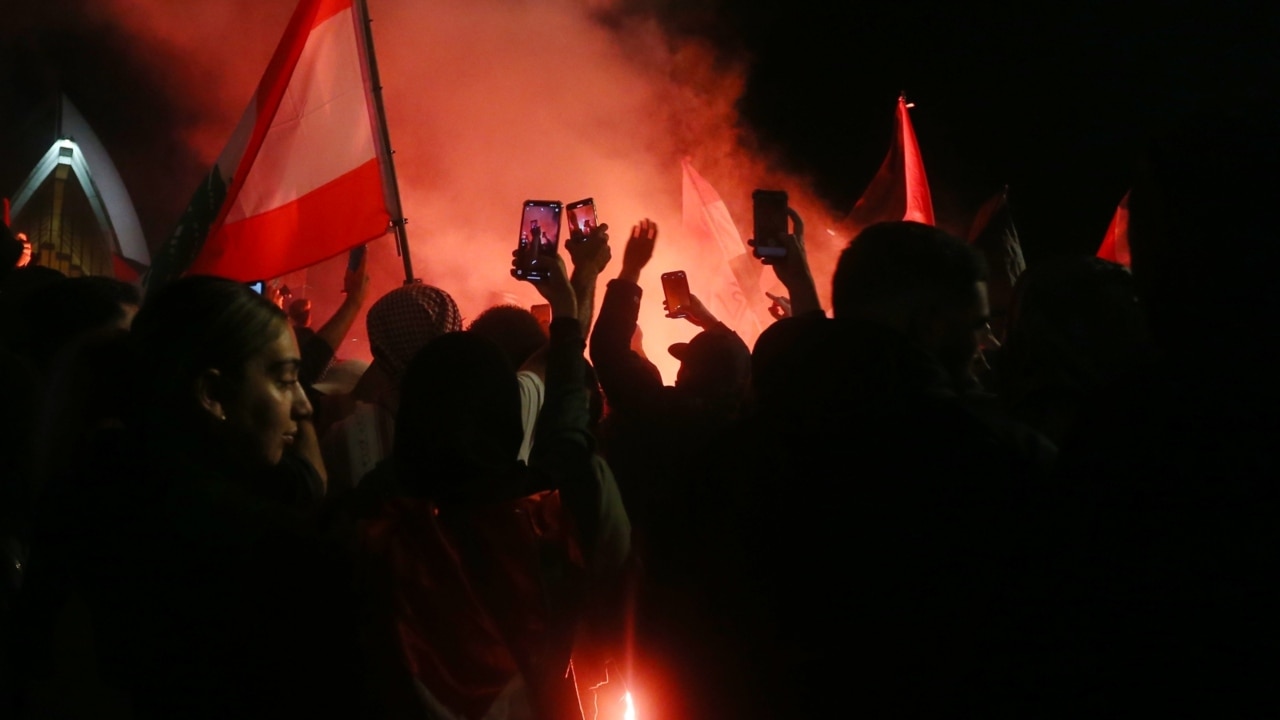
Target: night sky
x: 1053, y: 99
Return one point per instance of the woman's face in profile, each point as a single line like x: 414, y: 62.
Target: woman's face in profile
x: 264, y: 405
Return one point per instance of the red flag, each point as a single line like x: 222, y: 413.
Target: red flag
x: 303, y: 177
x: 1115, y: 244
x: 900, y: 189
x: 124, y: 270
x: 706, y: 221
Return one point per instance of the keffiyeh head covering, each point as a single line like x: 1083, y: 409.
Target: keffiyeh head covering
x: 405, y: 319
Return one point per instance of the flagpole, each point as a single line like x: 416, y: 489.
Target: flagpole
x: 384, y: 138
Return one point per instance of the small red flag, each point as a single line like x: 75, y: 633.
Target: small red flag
x: 1115, y: 244
x: 900, y: 189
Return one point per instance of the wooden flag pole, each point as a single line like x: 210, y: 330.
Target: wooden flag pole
x: 398, y: 220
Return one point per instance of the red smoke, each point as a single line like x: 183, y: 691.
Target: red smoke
x: 490, y: 103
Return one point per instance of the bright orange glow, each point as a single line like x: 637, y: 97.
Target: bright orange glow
x: 630, y: 712
x: 487, y: 106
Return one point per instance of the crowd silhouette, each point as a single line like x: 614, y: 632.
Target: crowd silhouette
x: 887, y: 507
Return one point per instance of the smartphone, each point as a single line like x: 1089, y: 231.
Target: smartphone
x: 769, y: 212
x: 539, y: 239
x: 582, y: 215
x: 354, y: 257
x: 257, y: 286
x: 542, y: 313
x: 676, y: 287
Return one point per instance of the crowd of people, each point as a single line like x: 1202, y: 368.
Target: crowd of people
x: 883, y: 508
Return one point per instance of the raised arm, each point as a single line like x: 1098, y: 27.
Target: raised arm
x: 626, y: 377
x: 590, y: 255
x: 356, y: 286
x: 564, y: 446
x: 793, y: 272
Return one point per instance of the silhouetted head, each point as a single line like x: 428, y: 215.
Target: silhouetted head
x: 921, y: 282
x: 714, y: 366
x: 513, y: 328
x: 61, y: 310
x: 404, y: 320
x: 1081, y: 311
x: 459, y: 418
x: 300, y: 312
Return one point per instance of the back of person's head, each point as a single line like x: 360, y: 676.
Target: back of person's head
x: 921, y: 282
x: 300, y: 312
x: 459, y: 418
x: 1074, y: 325
x: 59, y: 312
x: 404, y: 320
x: 903, y: 265
x: 715, y: 366
x: 1204, y: 239
x: 197, y: 323
x: 15, y: 290
x: 792, y: 358
x: 1080, y: 310
x: 513, y: 328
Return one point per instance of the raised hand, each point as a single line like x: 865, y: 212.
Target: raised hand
x: 639, y: 250
x: 793, y: 270
x: 695, y: 312
x: 590, y: 253
x: 356, y: 282
x: 781, y: 307
x: 555, y: 288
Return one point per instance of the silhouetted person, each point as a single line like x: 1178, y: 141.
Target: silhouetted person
x: 480, y: 566
x: 212, y: 588
x: 887, y: 526
x: 1075, y: 324
x: 1168, y: 484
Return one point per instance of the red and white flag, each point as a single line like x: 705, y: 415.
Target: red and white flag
x: 900, y: 189
x: 1115, y: 244
x: 304, y: 176
x: 707, y: 223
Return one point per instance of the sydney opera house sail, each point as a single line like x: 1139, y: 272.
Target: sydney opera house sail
x: 74, y: 208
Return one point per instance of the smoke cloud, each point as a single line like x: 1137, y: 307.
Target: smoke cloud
x: 489, y: 103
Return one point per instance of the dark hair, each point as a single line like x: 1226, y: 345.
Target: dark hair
x: 55, y: 315
x: 459, y: 416
x: 122, y: 292
x: 196, y: 323
x: 513, y: 328
x: 906, y: 263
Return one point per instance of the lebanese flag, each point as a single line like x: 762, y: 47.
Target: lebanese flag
x: 303, y: 177
x: 900, y: 189
x: 1115, y: 244
x: 707, y: 223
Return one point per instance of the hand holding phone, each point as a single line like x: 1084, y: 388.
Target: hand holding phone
x: 769, y: 215
x: 675, y: 286
x: 582, y: 218
x: 356, y: 281
x: 539, y: 240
